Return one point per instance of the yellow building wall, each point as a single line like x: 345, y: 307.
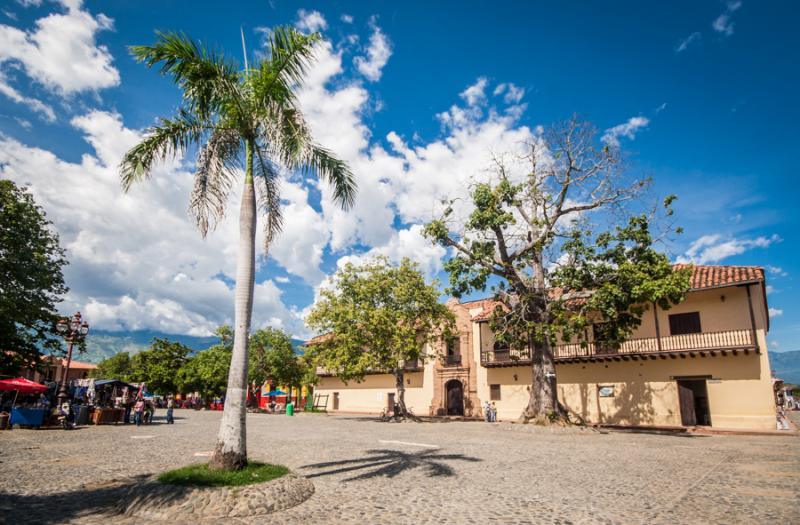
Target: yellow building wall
x: 370, y: 395
x: 646, y: 392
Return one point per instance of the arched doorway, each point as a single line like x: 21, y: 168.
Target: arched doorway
x: 454, y: 397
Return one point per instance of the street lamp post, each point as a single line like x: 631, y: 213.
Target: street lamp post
x: 73, y: 330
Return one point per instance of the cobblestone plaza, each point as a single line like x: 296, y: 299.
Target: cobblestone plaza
x: 366, y: 471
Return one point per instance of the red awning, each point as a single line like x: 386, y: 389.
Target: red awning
x: 25, y: 386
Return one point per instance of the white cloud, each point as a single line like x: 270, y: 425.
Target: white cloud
x: 29, y: 3
x: 684, y: 44
x: 776, y: 271
x: 378, y: 53
x: 310, y: 21
x: 476, y: 93
x: 411, y: 243
x: 775, y: 312
x: 714, y: 248
x: 774, y: 344
x: 26, y: 124
x: 627, y: 129
x: 723, y: 23
x: 305, y: 234
x: 347, y: 19
x: 60, y: 53
x: 513, y: 94
x: 282, y: 279
x: 34, y: 104
x: 136, y: 260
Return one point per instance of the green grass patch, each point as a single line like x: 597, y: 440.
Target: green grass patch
x: 199, y: 475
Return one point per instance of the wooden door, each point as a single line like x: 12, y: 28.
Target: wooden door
x: 336, y: 400
x: 686, y: 400
x: 390, y: 403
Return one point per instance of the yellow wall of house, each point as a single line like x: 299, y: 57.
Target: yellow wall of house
x: 646, y: 393
x: 370, y: 395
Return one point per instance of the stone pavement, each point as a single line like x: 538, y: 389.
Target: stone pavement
x: 366, y: 471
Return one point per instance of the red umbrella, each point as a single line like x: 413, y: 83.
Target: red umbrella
x: 22, y: 385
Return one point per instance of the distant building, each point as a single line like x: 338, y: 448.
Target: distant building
x: 703, y: 362
x: 53, y: 370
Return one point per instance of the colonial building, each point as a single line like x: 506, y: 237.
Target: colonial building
x: 52, y: 369
x: 703, y: 362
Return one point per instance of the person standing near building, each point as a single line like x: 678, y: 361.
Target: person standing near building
x: 138, y: 411
x: 493, y: 410
x: 170, y: 410
x: 487, y: 412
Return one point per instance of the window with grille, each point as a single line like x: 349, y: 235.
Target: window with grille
x: 494, y: 392
x: 688, y: 323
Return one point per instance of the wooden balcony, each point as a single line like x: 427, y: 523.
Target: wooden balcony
x: 704, y: 343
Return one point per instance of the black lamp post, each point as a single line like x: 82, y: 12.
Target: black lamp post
x: 73, y: 330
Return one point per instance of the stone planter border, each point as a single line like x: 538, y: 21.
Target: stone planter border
x: 151, y: 499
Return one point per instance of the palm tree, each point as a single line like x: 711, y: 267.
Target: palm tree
x: 232, y: 116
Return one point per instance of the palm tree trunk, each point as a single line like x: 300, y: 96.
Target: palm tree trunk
x: 231, y: 449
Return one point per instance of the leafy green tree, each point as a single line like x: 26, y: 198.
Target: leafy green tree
x: 118, y: 366
x: 555, y: 240
x: 236, y: 118
x: 206, y: 372
x: 272, y: 358
x: 31, y: 281
x: 378, y: 318
x: 159, y: 366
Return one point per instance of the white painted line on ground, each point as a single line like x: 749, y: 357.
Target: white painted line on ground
x: 204, y: 454
x: 142, y: 437
x: 393, y: 442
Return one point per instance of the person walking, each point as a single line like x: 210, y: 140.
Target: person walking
x: 487, y: 412
x: 138, y: 411
x: 170, y: 410
x: 493, y: 411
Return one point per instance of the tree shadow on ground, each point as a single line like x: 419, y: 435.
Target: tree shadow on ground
x: 101, y: 498
x: 390, y: 463
x: 657, y: 432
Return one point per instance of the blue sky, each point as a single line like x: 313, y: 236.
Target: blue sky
x: 414, y: 95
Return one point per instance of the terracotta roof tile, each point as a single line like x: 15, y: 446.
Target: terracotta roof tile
x: 702, y: 278
x: 715, y: 276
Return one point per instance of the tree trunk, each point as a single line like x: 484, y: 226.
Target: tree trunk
x: 231, y: 449
x: 543, y: 407
x: 399, y: 383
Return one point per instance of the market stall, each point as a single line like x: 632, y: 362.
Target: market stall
x: 111, y: 398
x: 29, y: 414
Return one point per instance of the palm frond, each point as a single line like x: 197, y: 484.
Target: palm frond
x: 217, y: 161
x: 290, y: 142
x: 269, y: 198
x: 334, y: 171
x: 289, y: 54
x: 161, y: 142
x: 208, y: 79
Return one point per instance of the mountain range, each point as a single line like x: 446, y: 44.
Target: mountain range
x: 786, y: 365
x: 102, y: 345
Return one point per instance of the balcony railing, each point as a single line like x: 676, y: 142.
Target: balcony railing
x: 729, y: 339
x: 452, y: 360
